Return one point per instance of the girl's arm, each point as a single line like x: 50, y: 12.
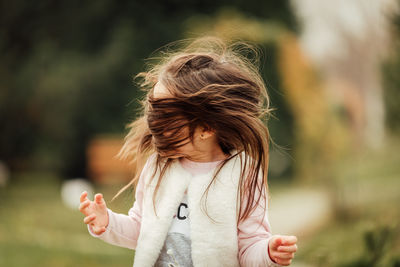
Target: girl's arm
x: 123, y: 230
x: 257, y: 246
x: 254, y: 235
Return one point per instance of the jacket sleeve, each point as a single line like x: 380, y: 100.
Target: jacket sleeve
x: 123, y: 230
x: 254, y: 234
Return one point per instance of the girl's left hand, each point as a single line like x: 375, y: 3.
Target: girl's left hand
x: 281, y: 249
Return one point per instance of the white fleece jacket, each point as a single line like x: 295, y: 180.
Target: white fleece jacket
x: 214, y: 242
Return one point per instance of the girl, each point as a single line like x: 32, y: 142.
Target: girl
x: 202, y: 150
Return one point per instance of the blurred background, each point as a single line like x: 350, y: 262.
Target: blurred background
x: 332, y: 69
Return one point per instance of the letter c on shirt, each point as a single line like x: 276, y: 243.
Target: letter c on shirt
x: 180, y: 217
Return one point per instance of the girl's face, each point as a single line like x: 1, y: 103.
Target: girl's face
x: 190, y: 149
x: 203, y: 140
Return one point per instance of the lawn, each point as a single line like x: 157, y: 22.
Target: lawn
x: 36, y: 229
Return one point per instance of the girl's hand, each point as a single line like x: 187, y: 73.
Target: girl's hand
x: 281, y: 249
x: 95, y: 212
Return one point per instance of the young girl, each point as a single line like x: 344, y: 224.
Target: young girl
x: 201, y: 149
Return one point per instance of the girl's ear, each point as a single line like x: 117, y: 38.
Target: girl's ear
x: 206, y: 133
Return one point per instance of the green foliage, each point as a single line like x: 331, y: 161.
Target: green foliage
x: 369, y: 235
x: 391, y: 80
x: 376, y: 243
x: 66, y: 70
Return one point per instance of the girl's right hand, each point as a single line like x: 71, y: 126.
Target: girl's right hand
x: 95, y: 212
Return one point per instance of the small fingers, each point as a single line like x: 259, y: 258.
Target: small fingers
x: 99, y: 199
x: 292, y: 248
x: 84, y: 205
x: 83, y: 196
x: 289, y: 240
x: 284, y: 262
x: 275, y: 242
x: 99, y: 231
x: 284, y: 255
x: 89, y: 219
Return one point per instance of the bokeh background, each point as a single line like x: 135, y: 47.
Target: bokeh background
x: 66, y: 93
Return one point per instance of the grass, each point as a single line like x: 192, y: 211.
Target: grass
x: 36, y: 229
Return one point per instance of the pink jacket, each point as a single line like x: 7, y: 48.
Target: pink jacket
x: 254, y: 233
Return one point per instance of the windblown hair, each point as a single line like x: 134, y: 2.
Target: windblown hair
x: 213, y: 85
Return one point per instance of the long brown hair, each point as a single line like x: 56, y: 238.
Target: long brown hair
x: 214, y: 85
